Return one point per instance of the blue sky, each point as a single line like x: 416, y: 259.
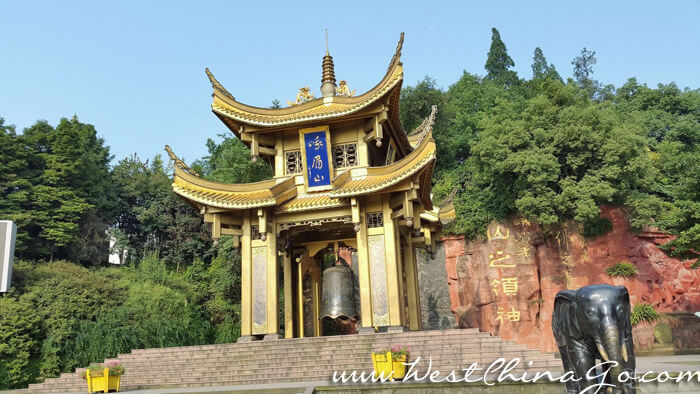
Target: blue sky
x: 136, y: 69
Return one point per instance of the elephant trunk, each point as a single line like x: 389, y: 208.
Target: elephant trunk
x: 612, y: 349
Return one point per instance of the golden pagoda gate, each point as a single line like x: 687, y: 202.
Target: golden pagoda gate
x: 347, y: 180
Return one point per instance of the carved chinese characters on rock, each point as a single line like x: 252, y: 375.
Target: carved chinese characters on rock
x: 507, y: 252
x: 317, y: 163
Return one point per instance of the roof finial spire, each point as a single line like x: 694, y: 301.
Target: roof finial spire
x: 328, y: 85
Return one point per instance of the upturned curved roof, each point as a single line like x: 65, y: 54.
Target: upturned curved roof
x: 226, y: 105
x: 234, y: 113
x: 283, y: 193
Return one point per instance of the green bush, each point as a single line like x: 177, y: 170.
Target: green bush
x: 623, y: 269
x: 596, y: 227
x: 20, y: 342
x: 695, y: 265
x: 61, y: 315
x: 644, y: 313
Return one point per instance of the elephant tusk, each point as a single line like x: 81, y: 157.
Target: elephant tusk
x: 602, y: 352
x: 624, y: 352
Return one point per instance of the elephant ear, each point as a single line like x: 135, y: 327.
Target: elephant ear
x: 626, y: 323
x: 565, y: 310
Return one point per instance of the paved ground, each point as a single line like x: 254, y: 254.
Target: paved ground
x: 687, y: 362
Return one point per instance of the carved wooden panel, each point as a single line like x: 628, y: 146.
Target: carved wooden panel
x: 377, y: 260
x: 259, y: 290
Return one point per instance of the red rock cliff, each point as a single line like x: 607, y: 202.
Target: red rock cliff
x: 506, y: 284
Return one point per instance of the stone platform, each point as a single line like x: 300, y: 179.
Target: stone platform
x: 289, y: 361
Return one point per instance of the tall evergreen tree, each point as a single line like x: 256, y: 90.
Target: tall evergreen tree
x: 499, y: 63
x: 91, y: 160
x: 153, y: 219
x: 15, y: 185
x: 540, y: 68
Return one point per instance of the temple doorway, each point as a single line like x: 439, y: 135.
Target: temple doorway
x: 321, y: 257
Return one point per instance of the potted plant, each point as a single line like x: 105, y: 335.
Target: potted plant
x: 103, y: 377
x: 391, y: 364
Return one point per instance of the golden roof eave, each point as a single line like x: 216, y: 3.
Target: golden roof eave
x: 225, y: 105
x: 230, y: 195
x: 311, y: 202
x: 310, y: 111
x: 416, y: 136
x: 420, y: 161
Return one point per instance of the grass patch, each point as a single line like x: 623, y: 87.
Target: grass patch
x: 644, y: 313
x: 624, y: 269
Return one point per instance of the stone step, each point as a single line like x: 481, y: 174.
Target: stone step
x: 364, y: 361
x: 262, y: 372
x: 484, y: 347
x: 286, y: 347
x: 303, y: 359
x: 196, y: 382
x: 323, y: 353
x: 134, y: 367
x: 128, y: 383
x: 339, y: 338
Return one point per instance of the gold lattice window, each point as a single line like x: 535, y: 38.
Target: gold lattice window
x: 293, y: 162
x: 345, y: 155
x: 375, y: 219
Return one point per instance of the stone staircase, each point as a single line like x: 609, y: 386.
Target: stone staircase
x: 304, y: 360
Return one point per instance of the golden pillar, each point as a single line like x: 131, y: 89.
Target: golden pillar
x: 267, y: 227
x: 300, y: 296
x: 414, y: 317
x: 360, y: 219
x: 288, y: 297
x: 246, y: 281
x: 392, y: 266
x: 316, y: 297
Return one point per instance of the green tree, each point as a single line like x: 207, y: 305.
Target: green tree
x: 15, y: 184
x: 672, y: 120
x: 467, y: 102
x: 540, y: 68
x: 560, y: 158
x: 416, y: 102
x: 230, y: 162
x: 499, y: 63
x: 153, y: 218
x: 583, y: 72
x: 56, y: 187
x: 57, y: 211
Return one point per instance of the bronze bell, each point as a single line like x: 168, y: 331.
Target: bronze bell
x: 338, y: 299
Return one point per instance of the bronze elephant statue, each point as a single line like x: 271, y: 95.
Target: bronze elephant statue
x: 592, y: 323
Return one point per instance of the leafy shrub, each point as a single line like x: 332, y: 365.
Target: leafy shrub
x: 397, y: 351
x: 115, y: 369
x: 644, y: 313
x: 596, y: 227
x: 20, y: 342
x: 623, y: 269
x: 695, y: 265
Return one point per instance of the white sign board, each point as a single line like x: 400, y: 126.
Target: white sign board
x: 8, y: 234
